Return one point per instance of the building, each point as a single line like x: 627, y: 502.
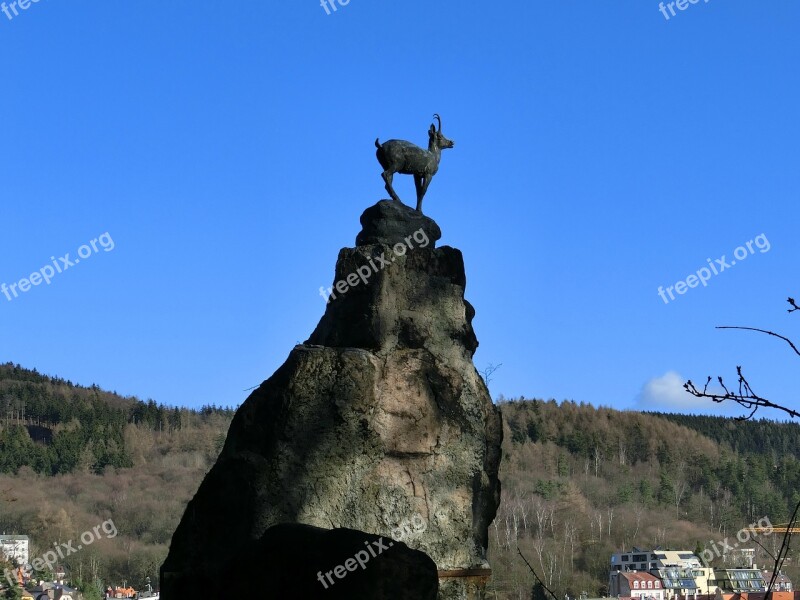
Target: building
x: 683, y: 581
x: 647, y: 560
x: 782, y: 582
x: 740, y: 580
x: 682, y: 575
x: 639, y: 585
x: 15, y: 548
x: 681, y: 572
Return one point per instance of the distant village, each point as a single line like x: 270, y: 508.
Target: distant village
x: 680, y: 575
x: 15, y: 549
x: 637, y: 574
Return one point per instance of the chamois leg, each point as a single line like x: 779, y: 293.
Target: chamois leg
x: 387, y: 177
x: 421, y: 184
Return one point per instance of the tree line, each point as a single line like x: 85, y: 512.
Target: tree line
x: 54, y: 426
x: 580, y: 483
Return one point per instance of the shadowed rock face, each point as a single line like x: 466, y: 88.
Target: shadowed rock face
x: 379, y: 422
x: 293, y: 561
x: 391, y: 222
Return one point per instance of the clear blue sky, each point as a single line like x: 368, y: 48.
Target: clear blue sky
x: 227, y: 149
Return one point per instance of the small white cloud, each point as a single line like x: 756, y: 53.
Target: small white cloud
x: 665, y: 390
x: 666, y: 394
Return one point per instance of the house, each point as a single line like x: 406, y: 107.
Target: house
x: 52, y: 591
x: 740, y: 580
x: 15, y: 548
x: 639, y: 585
x: 647, y: 560
x: 681, y: 572
x: 782, y: 582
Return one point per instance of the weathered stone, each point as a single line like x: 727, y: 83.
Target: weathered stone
x: 379, y: 423
x: 392, y: 222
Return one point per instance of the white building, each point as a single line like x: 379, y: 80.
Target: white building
x: 680, y: 571
x: 647, y: 560
x: 15, y: 548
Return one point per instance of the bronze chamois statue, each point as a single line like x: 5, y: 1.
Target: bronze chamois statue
x: 399, y: 156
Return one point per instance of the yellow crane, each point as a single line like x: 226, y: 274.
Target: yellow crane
x: 778, y: 529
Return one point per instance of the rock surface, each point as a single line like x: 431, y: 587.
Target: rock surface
x: 299, y: 561
x: 379, y: 422
x: 391, y: 222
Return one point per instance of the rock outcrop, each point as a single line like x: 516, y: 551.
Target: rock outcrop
x: 379, y: 422
x: 293, y: 561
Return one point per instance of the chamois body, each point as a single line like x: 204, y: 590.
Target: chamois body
x: 400, y: 156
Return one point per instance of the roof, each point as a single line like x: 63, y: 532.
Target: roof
x: 639, y: 576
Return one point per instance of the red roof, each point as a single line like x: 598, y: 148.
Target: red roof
x: 639, y: 576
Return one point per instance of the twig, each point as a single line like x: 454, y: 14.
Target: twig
x: 744, y: 397
x: 748, y: 399
x: 538, y: 579
x: 785, y: 339
x: 488, y: 372
x: 784, y: 550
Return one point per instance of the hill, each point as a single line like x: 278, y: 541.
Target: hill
x: 73, y: 458
x: 579, y: 482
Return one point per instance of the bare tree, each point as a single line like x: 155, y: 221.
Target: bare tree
x: 487, y: 373
x: 598, y: 456
x: 744, y: 395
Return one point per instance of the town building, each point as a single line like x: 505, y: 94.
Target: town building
x: 782, y: 582
x: 740, y: 580
x: 646, y: 560
x: 639, y: 585
x: 15, y: 548
x: 682, y: 575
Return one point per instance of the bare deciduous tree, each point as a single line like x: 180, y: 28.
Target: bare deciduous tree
x: 744, y: 395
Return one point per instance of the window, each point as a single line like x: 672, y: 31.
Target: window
x: 636, y: 585
x: 649, y: 585
x: 643, y: 567
x: 658, y: 584
x: 624, y: 558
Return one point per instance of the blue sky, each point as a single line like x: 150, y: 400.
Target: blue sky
x: 226, y: 149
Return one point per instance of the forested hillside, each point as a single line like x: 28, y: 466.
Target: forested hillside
x: 581, y: 482
x: 81, y: 428
x: 578, y: 482
x: 73, y: 457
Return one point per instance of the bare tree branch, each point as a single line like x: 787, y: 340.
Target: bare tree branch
x: 538, y: 579
x: 747, y: 398
x: 744, y: 396
x: 783, y: 551
x: 488, y: 372
x: 785, y: 339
